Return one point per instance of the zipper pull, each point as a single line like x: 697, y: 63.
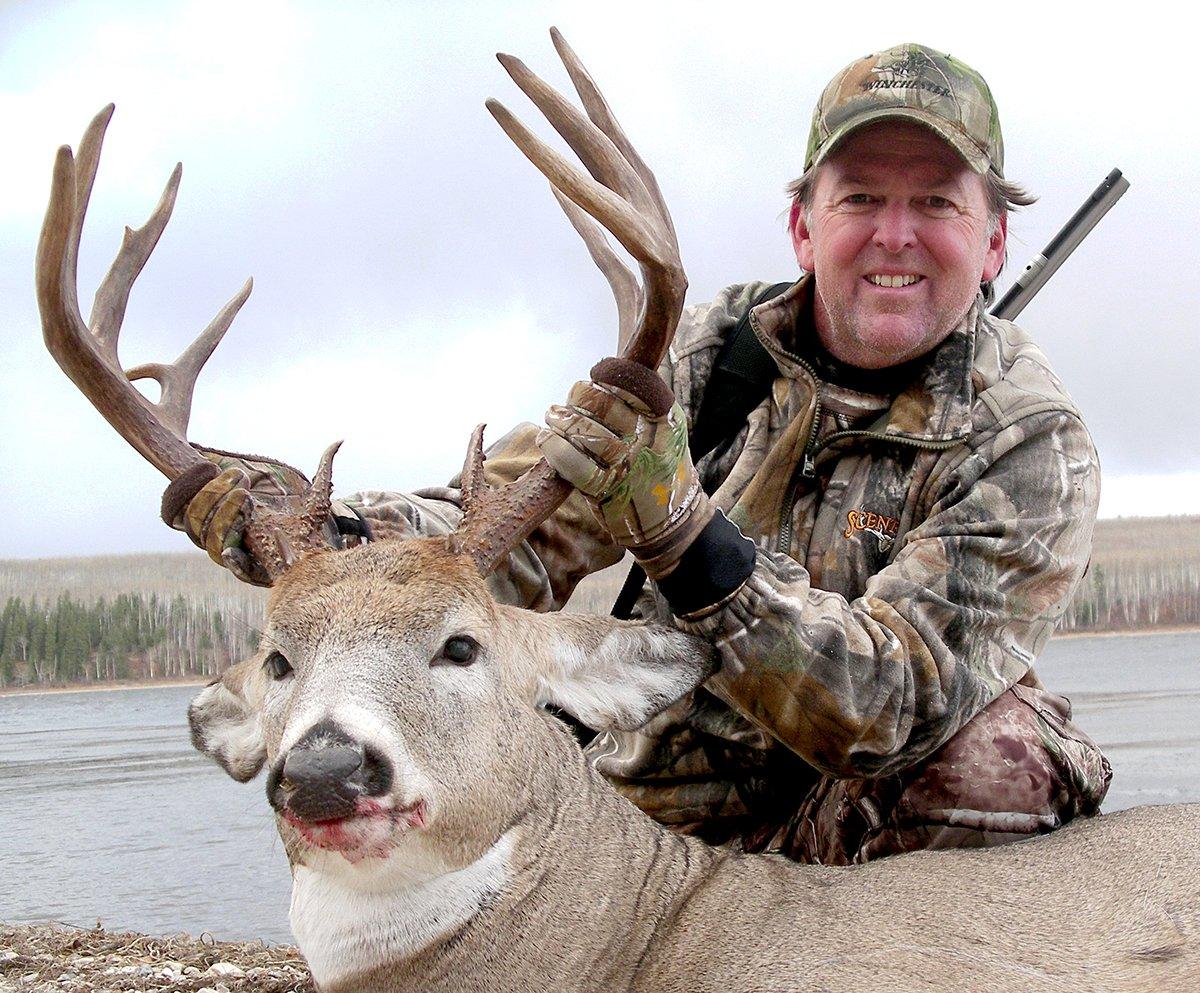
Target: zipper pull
x: 809, y: 469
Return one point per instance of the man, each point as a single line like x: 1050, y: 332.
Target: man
x: 881, y: 551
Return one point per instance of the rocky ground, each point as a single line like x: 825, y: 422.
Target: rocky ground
x: 76, y: 960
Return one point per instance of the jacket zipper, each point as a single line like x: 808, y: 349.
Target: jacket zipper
x: 808, y: 465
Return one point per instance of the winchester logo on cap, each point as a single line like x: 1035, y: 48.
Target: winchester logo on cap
x: 907, y: 71
x: 916, y: 83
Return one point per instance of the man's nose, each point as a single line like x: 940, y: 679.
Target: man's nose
x: 895, y: 226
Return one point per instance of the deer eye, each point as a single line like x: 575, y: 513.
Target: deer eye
x: 277, y: 666
x: 459, y: 650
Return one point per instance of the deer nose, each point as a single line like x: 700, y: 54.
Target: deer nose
x: 325, y: 773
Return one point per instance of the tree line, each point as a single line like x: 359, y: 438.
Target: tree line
x: 130, y: 636
x: 61, y: 622
x: 1122, y: 595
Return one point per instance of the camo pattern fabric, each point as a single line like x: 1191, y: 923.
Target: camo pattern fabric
x: 634, y: 465
x: 1017, y: 768
x: 900, y: 590
x: 918, y: 83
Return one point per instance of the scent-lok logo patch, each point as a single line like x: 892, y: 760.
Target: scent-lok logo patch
x: 882, y: 527
x: 908, y: 72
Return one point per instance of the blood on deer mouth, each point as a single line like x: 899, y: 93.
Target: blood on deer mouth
x: 372, y: 831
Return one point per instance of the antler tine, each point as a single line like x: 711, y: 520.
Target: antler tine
x: 112, y: 296
x: 624, y: 284
x: 630, y: 228
x: 472, y: 482
x: 601, y: 114
x: 595, y: 149
x: 319, y: 499
x: 178, y: 380
x: 86, y: 164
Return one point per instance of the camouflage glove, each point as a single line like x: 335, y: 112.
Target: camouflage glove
x: 621, y: 440
x: 212, y: 504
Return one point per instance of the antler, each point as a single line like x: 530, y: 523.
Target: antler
x: 87, y: 351
x: 623, y: 196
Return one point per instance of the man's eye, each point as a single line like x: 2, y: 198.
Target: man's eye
x: 939, y: 204
x: 859, y: 199
x: 277, y: 666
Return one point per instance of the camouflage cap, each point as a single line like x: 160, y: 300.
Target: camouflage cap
x: 914, y: 83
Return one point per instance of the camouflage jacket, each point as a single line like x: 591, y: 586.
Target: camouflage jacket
x: 914, y: 554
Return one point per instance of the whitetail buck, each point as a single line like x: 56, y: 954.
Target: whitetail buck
x: 446, y: 833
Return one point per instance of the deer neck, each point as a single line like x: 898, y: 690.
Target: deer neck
x: 570, y: 895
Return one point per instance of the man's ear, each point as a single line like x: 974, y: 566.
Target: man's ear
x: 616, y: 675
x: 226, y: 719
x: 801, y: 237
x: 993, y: 261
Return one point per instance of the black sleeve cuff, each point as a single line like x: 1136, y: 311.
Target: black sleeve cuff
x: 714, y: 566
x: 355, y: 526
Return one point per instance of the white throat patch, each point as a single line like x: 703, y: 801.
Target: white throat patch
x: 343, y: 930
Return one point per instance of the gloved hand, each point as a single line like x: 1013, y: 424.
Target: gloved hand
x: 621, y: 440
x: 212, y: 504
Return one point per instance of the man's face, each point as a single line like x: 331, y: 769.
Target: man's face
x: 894, y: 204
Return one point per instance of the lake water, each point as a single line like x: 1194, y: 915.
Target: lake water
x: 107, y: 813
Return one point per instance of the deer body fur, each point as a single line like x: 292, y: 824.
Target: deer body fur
x: 529, y: 872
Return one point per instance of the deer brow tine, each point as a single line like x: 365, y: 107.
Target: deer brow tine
x: 629, y: 228
x: 320, y: 494
x: 112, y: 296
x: 624, y: 285
x: 471, y: 482
x: 602, y: 116
x: 595, y: 149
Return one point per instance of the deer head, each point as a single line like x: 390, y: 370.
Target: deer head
x: 396, y: 705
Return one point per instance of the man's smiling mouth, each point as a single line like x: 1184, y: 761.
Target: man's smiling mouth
x: 879, y: 279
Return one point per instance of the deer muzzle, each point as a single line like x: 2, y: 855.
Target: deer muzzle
x: 326, y: 775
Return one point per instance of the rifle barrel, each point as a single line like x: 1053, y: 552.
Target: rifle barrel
x: 1061, y: 246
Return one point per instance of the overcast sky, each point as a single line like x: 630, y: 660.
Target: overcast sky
x: 413, y: 276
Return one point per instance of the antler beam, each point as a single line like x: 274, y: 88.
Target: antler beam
x: 278, y: 532
x: 88, y: 354
x: 621, y: 194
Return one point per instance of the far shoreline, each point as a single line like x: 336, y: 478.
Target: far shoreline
x: 34, y: 689
x: 1127, y: 632
x: 149, y: 684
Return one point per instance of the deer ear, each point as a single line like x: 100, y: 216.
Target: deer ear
x: 226, y: 719
x: 616, y: 675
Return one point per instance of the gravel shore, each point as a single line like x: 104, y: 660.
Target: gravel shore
x: 62, y: 958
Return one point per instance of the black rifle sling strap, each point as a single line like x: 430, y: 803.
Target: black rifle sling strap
x: 741, y: 377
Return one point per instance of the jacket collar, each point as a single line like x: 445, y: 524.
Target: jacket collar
x: 936, y: 406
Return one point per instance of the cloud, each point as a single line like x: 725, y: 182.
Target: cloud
x: 413, y: 275
x: 1150, y: 495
